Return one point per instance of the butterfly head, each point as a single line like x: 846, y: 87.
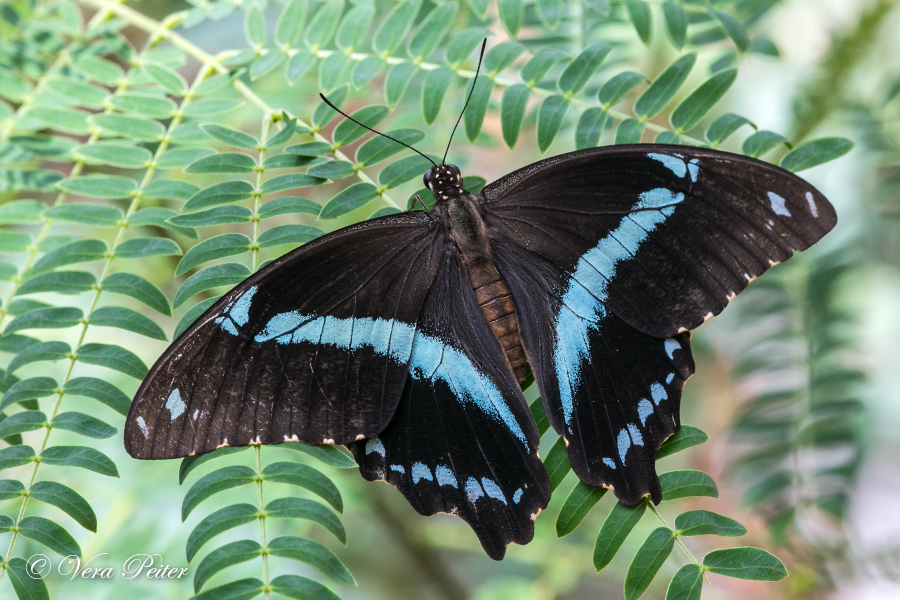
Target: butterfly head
x: 444, y: 181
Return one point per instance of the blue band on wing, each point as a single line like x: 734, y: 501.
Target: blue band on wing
x: 429, y: 357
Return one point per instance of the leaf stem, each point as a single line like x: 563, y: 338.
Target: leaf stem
x: 677, y: 539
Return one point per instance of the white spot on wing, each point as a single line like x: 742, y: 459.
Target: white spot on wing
x: 778, y: 206
x: 143, y: 426
x: 812, y: 205
x: 175, y: 404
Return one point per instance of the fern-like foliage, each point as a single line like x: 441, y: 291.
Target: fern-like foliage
x: 135, y: 172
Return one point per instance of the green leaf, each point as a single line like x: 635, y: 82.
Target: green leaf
x: 289, y: 182
x: 147, y: 105
x: 590, y: 126
x: 89, y: 214
x: 12, y: 86
x: 745, y: 563
x: 313, y: 554
x: 540, y: 64
x: 219, y: 246
x: 80, y: 456
x: 225, y: 192
x: 28, y: 389
x: 212, y: 483
x: 395, y: 26
x: 353, y: 27
x: 99, y: 390
x: 512, y: 112
x: 309, y: 510
x: 305, y: 477
x: 62, y: 282
x: 189, y: 133
x: 53, y: 536
x: 664, y: 88
x: 761, y: 142
x: 722, y: 128
x: 242, y: 589
x: 299, y: 65
x: 347, y: 131
x: 501, y: 56
x: 816, y: 152
x: 309, y: 149
x: 218, y: 522
x: 704, y: 522
x: 287, y: 32
x: 463, y: 44
x: 384, y: 212
x: 214, y: 216
x: 646, y: 563
x: 618, y: 87
x: 26, y: 584
x: 557, y: 463
x: 615, y: 529
x: 578, y: 504
x: 127, y: 319
x: 288, y: 205
x: 11, y: 488
x: 302, y: 588
x: 83, y: 424
x: 143, y: 247
x: 68, y: 120
x: 403, y: 170
x: 335, y: 169
x: 208, y: 108
x: 224, y: 557
x: 231, y: 136
x: 287, y: 131
x: 326, y: 453
x: 512, y: 15
x: 550, y: 12
x: 639, y: 14
x: 39, y: 180
x: 265, y: 63
x: 45, y: 318
x: 13, y: 241
x: 629, y: 131
x: 378, y: 148
x: 332, y: 71
x: 138, y: 288
x: 687, y: 583
x: 323, y: 24
x: 764, y: 46
x: 189, y: 463
x: 477, y: 108
x: 21, y: 422
x: 82, y: 93
x: 137, y: 128
x: 582, y: 68
x: 365, y: 70
x: 226, y: 162
x: 431, y: 32
x: 686, y: 437
x: 550, y: 116
x: 676, y: 23
x: 38, y: 352
x: 701, y: 100
x: 111, y: 187
x: 288, y: 234
x: 98, y: 69
x: 8, y: 272
x: 211, y: 277
x: 397, y: 81
x: 291, y: 161
x: 192, y: 313
x: 49, y: 146
x: 113, y: 357
x: 735, y: 30
x: 22, y: 211
x: 165, y: 76
x: 166, y: 189
x: 350, y: 199
x: 16, y: 456
x: 683, y: 484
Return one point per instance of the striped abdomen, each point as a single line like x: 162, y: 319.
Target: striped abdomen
x: 499, y: 310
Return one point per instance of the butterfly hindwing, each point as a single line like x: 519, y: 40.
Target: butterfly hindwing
x: 312, y: 348
x: 462, y: 440
x: 610, y: 390
x: 676, y: 232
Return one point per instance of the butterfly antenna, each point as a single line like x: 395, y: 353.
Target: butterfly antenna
x: 328, y: 102
x: 469, y: 97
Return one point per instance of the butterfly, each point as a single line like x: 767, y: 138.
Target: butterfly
x: 406, y: 337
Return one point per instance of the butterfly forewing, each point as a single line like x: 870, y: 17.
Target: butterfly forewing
x: 313, y: 348
x: 462, y: 440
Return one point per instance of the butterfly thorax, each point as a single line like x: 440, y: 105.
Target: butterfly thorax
x: 461, y: 213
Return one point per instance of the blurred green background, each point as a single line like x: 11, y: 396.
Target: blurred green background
x: 797, y: 382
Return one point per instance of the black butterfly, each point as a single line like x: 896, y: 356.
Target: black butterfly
x: 405, y: 337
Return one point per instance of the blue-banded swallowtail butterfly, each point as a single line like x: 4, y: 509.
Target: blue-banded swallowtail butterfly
x: 406, y: 337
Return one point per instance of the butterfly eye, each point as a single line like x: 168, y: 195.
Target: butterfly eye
x: 427, y: 179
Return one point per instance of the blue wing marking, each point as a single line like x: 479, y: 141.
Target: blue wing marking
x: 677, y: 164
x: 237, y: 312
x: 175, y: 404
